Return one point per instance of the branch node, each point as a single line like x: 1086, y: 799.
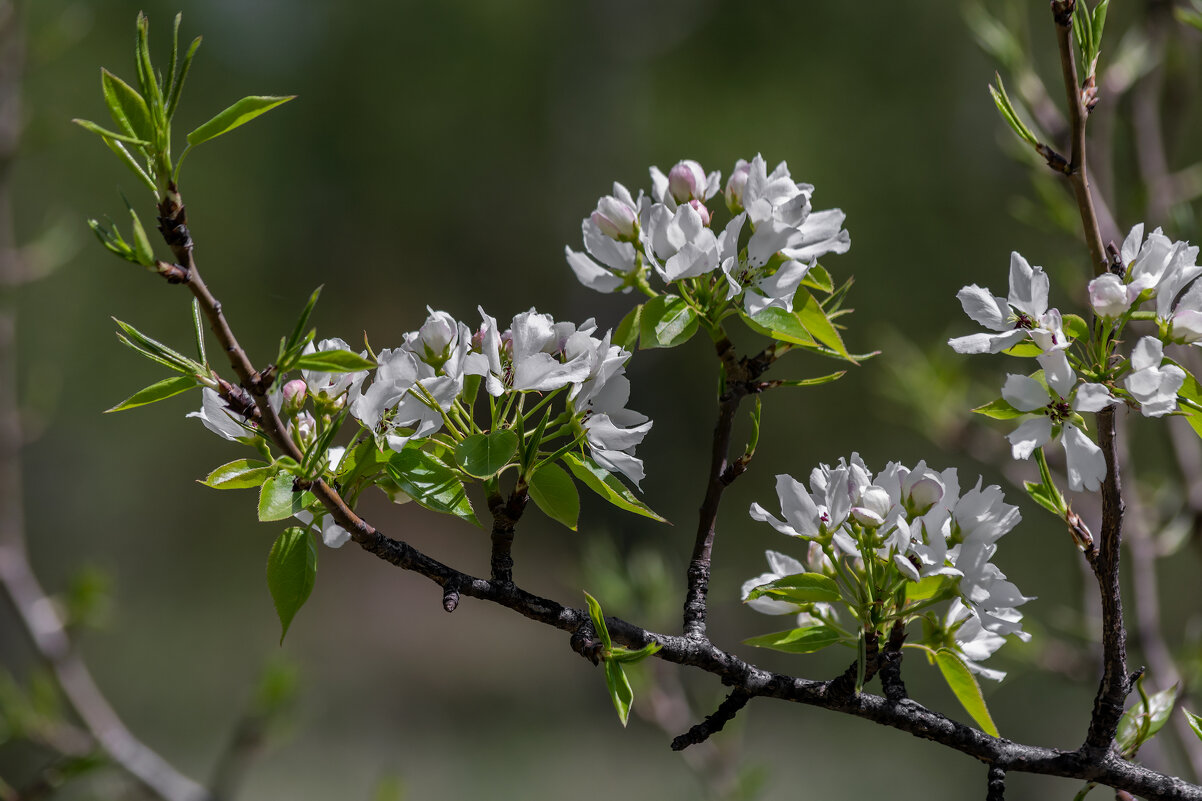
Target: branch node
x: 450, y: 595
x: 996, y: 784
x: 714, y: 723
x: 584, y: 642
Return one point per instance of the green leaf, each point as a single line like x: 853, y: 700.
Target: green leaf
x: 333, y: 361
x: 1044, y: 497
x: 160, y: 390
x: 198, y: 329
x: 143, y: 252
x: 1006, y: 108
x: 158, y: 352
x: 484, y: 455
x: 128, y: 161
x: 999, y: 409
x: 104, y: 133
x: 278, y: 501
x: 598, y: 617
x: 177, y: 86
x: 146, y: 77
x: 431, y: 483
x: 238, y: 114
x: 628, y: 657
x: 1074, y: 326
x: 240, y: 474
x: 799, y: 588
x: 964, y: 686
x: 818, y: 278
x: 291, y: 574
x: 666, y: 321
x: 627, y: 333
x: 813, y: 382
x: 1141, y: 722
x: 553, y: 491
x: 1195, y: 722
x: 804, y: 640
x: 780, y: 324
x: 605, y: 484
x: 924, y: 589
x: 127, y: 107
x: 619, y: 689
x: 819, y: 325
x: 1025, y: 349
x: 298, y: 330
x: 1189, y: 17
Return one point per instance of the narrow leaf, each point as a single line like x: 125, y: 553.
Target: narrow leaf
x: 553, y: 491
x: 129, y: 161
x: 799, y: 588
x: 964, y: 686
x: 104, y: 133
x: 240, y: 474
x: 820, y: 327
x: 333, y: 361
x: 1195, y: 722
x: 198, y: 328
x: 605, y: 484
x: 804, y: 640
x: 628, y: 657
x: 619, y: 689
x: 291, y: 574
x: 484, y: 455
x: 598, y: 617
x: 238, y: 114
x: 178, y: 86
x: 160, y: 390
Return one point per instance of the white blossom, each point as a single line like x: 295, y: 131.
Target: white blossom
x: 1024, y: 312
x: 1155, y: 387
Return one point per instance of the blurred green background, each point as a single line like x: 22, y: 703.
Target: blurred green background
x: 443, y: 154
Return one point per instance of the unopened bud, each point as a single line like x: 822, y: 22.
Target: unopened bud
x: 1081, y: 535
x: 614, y: 218
x: 925, y: 493
x: 306, y: 427
x: 1108, y: 296
x: 873, y: 506
x: 735, y: 186
x: 294, y: 397
x: 686, y: 181
x: 701, y: 210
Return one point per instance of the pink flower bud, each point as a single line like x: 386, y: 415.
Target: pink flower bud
x: 686, y: 181
x: 614, y: 218
x: 735, y: 185
x: 294, y: 397
x: 1108, y: 295
x: 700, y: 208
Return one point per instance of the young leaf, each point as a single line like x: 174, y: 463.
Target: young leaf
x: 999, y: 409
x: 1141, y: 722
x: 602, y: 482
x: 818, y: 278
x: 812, y: 382
x: 1006, y: 108
x: 158, y: 391
x: 128, y: 161
x: 666, y: 321
x: 1195, y: 722
x: 820, y: 327
x: 780, y: 324
x: 278, y: 501
x: 198, y: 328
x: 799, y: 588
x: 431, y: 483
x: 1075, y: 326
x: 157, y: 351
x: 598, y: 617
x: 964, y: 686
x: 628, y: 657
x: 238, y: 114
x: 104, y: 133
x: 143, y: 252
x: 240, y: 474
x: 128, y: 109
x: 804, y: 640
x: 332, y: 361
x: 619, y: 689
x: 1044, y: 497
x: 484, y: 455
x: 627, y: 333
x: 553, y: 491
x: 291, y: 574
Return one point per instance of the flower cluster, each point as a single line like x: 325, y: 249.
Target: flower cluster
x: 671, y: 230
x: 1051, y: 399
x: 896, y: 543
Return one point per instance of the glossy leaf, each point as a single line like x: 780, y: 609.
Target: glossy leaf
x: 598, y: 618
x: 964, y: 686
x: 1194, y: 721
x: 128, y: 109
x: 619, y: 689
x: 780, y: 324
x: 999, y: 409
x: 1025, y: 349
x: 160, y: 390
x: 666, y: 321
x: 626, y: 335
x: 104, y: 133
x: 333, y: 361
x: 820, y: 327
x: 925, y: 589
x: 236, y: 115
x: 605, y: 484
x: 818, y: 278
x: 629, y: 657
x: 278, y: 501
x: 804, y: 640
x: 1044, y: 497
x: 799, y: 588
x: 484, y: 455
x: 240, y: 474
x: 1075, y: 326
x: 291, y: 574
x: 1142, y: 721
x: 431, y: 483
x: 553, y: 491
